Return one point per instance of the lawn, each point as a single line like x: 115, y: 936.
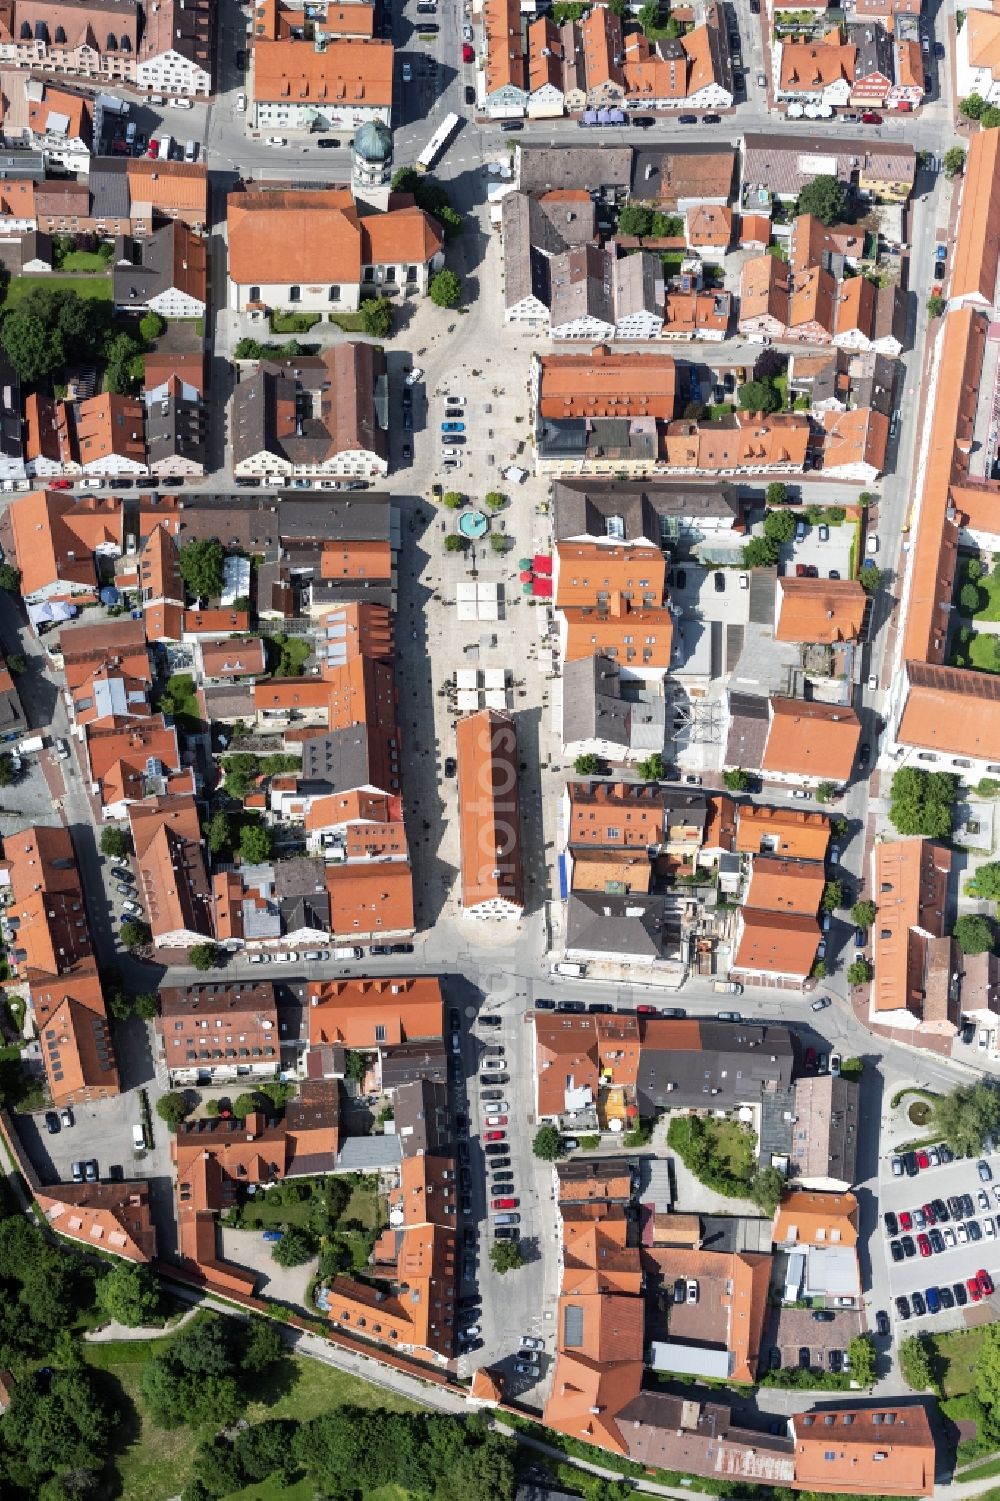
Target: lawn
x: 989, y: 592
x: 155, y: 1462
x: 294, y: 323
x: 367, y: 1205
x: 351, y: 323
x: 84, y: 260
x: 958, y: 1353
x: 20, y: 287
x: 736, y: 1146
x: 983, y: 652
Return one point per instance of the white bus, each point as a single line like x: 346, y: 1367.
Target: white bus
x: 437, y: 143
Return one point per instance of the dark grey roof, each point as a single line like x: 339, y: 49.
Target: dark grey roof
x: 422, y: 1118
x: 591, y: 167
x: 701, y: 172
x: 12, y: 720
x: 825, y: 1130
x: 874, y: 54
x: 414, y: 1060
x: 109, y: 190
x: 749, y: 723
x: 566, y: 438
x: 614, y: 925
x: 593, y: 707
x: 11, y: 437
x: 175, y: 428
x: 362, y: 516
x: 337, y: 591
x: 873, y: 380
x: 890, y: 314
x: 366, y: 1154
x: 639, y: 285
x: 734, y: 1065
x: 342, y: 757
x: 635, y: 508
x: 230, y: 701
x: 582, y: 285
x: 253, y: 415
x: 534, y: 230
x: 623, y: 438
x: 784, y: 163
x: 248, y: 522
x: 17, y: 163
x: 19, y: 250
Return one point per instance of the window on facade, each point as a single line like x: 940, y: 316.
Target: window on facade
x: 334, y: 294
x: 295, y: 294
x: 390, y: 273
x: 379, y: 1032
x: 255, y: 294
x: 411, y: 273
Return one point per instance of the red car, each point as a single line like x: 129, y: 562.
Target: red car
x: 153, y: 149
x: 60, y: 484
x: 801, y: 571
x: 505, y: 1203
x: 923, y: 1245
x: 929, y: 1214
x: 985, y: 1283
x: 975, y: 1291
x: 905, y: 1220
x: 871, y: 117
x: 467, y: 53
x: 923, y: 1161
x: 646, y: 1010
x: 495, y: 1136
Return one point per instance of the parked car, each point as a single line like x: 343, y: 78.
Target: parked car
x: 692, y: 1290
x: 51, y: 1122
x: 961, y: 1294
x: 985, y: 1283
x: 504, y: 1203
x: 891, y: 1223
x: 66, y: 1116
x: 272, y: 1235
x: 882, y: 1323
x: 985, y: 1171
x: 933, y: 1301
x: 919, y: 1306
x: 903, y: 1307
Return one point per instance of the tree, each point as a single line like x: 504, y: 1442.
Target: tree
x: 188, y: 1380
x: 766, y: 1188
x: 758, y: 396
x: 833, y: 896
x: 736, y: 780
x: 151, y: 326
x: 825, y: 199
x: 861, y: 1355
x: 972, y: 106
x: 294, y: 1247
x: 33, y: 349
x: 968, y: 598
x: 587, y: 766
x: 147, y: 1005
x: 779, y: 526
x: 859, y: 972
x: 825, y: 791
x: 990, y: 117
x: 134, y: 934
x: 124, y: 366
x: 915, y: 1362
x: 202, y: 564
x: 548, y: 1143
x: 494, y: 500
x: 966, y: 1116
x: 241, y: 771
x: 454, y: 543
x: 652, y: 768
x: 870, y: 577
x: 988, y: 1368
x: 498, y: 542
x: 760, y: 552
x: 129, y: 1294
x: 481, y: 1472
x: 376, y: 317
x: 974, y: 933
x: 776, y: 494
x: 953, y: 161
x: 863, y: 914
x: 116, y: 843
x: 218, y: 832
x: 8, y: 774
x: 636, y: 219
x: 453, y: 499
x: 356, y: 1066
x: 445, y: 289
x: 10, y: 579
x: 922, y: 802
x: 506, y: 1256
x: 172, y: 1108
x: 987, y: 880
x: 204, y: 956
x: 17, y: 663
x: 263, y: 1346
x: 255, y: 844
x: 935, y: 305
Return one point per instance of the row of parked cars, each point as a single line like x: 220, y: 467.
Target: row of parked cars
x: 940, y: 1299
x: 939, y: 1226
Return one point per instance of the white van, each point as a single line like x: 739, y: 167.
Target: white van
x: 165, y: 145
x: 139, y: 1138
x: 130, y: 133
x: 191, y: 151
x: 351, y: 953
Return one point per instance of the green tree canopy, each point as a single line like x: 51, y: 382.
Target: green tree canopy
x: 968, y: 598
x: 190, y: 1381
x: 861, y: 1354
x: 935, y: 305
x: 833, y: 896
x: 255, y: 844
x: 776, y: 493
x: 445, y: 289
x: 294, y: 1247
x: 966, y: 1116
x: 825, y: 199
x: 915, y: 1362
x: 173, y: 1107
x: 760, y: 552
x: 974, y: 933
x: 454, y: 543
x: 202, y: 564
x: 736, y: 780
x: 587, y: 766
x: 863, y: 914
x: 972, y: 106
x: 825, y: 791
x: 766, y: 1188
x: 129, y: 1294
x: 859, y: 972
x: 204, y: 956
x: 219, y: 832
x: 987, y: 880
x: 506, y: 1256
x: 134, y: 934
x: 116, y: 842
x: 376, y: 315
x: 636, y: 219
x: 779, y: 526
x: 652, y: 768
x: 953, y: 161
x: 548, y: 1143
x: 10, y: 579
x: 151, y: 325
x: 922, y: 802
x: 870, y: 577
x: 758, y: 396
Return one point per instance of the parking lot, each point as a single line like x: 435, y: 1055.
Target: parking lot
x: 956, y: 1263
x: 794, y: 1331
